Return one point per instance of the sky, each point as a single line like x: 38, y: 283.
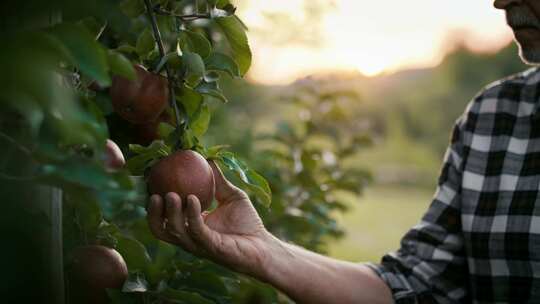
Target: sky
x: 366, y: 36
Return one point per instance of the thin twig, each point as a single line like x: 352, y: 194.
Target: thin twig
x: 16, y: 144
x: 187, y: 17
x: 159, y: 41
x: 16, y: 178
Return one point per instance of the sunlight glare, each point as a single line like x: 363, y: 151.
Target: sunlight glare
x: 370, y: 36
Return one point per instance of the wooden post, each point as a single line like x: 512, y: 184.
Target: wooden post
x: 31, y: 257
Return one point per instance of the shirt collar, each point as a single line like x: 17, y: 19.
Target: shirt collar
x: 532, y: 91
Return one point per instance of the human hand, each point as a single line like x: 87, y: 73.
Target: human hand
x: 233, y: 234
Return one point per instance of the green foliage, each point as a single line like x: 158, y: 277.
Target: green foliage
x: 194, y: 42
x: 120, y: 65
x: 251, y: 179
x: 234, y: 31
x: 306, y: 199
x: 60, y: 127
x: 304, y: 157
x: 221, y: 62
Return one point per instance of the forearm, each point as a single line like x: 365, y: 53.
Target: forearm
x: 308, y: 277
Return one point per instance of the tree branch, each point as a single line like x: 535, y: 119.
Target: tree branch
x: 188, y: 17
x: 159, y: 42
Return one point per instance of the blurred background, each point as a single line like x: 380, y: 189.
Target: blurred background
x: 400, y: 71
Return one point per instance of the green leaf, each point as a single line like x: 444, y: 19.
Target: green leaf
x: 81, y: 172
x: 200, y: 121
x: 207, y: 283
x: 96, y: 120
x: 155, y: 147
x: 172, y: 59
x: 214, y: 151
x: 132, y: 8
x: 251, y: 179
x: 137, y: 149
x: 30, y: 110
x: 134, y: 253
x: 103, y: 101
x: 146, y: 156
x: 126, y: 48
x: 211, y: 89
x: 140, y: 187
x: 120, y: 65
x: 195, y: 43
x: 164, y: 254
x: 145, y: 43
x: 85, y: 53
x: 189, y: 99
x: 193, y: 66
x: 218, y: 3
x: 137, y: 164
x: 94, y: 27
x: 163, y: 257
x: 185, y: 297
x: 87, y: 212
x: 221, y: 62
x: 165, y: 129
x: 235, y: 33
x: 188, y: 139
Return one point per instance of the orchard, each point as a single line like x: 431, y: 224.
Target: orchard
x: 105, y: 103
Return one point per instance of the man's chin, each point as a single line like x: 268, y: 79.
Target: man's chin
x: 530, y: 56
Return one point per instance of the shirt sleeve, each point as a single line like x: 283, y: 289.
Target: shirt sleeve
x: 430, y: 266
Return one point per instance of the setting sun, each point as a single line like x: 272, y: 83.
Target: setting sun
x: 368, y: 36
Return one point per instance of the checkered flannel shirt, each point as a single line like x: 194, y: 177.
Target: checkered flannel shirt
x: 479, y: 241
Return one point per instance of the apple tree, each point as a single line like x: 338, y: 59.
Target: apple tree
x: 146, y: 74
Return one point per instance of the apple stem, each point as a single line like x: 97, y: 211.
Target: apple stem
x: 172, y: 95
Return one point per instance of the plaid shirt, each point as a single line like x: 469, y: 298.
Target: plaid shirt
x: 479, y: 241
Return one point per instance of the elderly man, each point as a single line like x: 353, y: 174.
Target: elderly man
x: 478, y: 242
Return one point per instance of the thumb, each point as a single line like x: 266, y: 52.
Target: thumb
x: 226, y: 192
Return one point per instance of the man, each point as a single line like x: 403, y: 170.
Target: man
x: 478, y: 242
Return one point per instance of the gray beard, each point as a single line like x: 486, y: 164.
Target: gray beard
x: 521, y: 16
x: 530, y: 56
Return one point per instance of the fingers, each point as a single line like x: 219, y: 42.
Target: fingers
x: 176, y: 221
x: 174, y: 214
x: 195, y: 237
x: 197, y: 229
x: 226, y: 192
x: 156, y: 220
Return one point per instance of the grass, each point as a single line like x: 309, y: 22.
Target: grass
x: 376, y: 223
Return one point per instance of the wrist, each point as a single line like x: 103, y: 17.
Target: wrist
x: 277, y: 258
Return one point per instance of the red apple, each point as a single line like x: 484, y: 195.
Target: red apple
x: 141, y: 100
x: 184, y: 172
x: 91, y: 270
x: 114, y: 159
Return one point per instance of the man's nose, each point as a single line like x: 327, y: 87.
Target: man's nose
x: 503, y: 4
